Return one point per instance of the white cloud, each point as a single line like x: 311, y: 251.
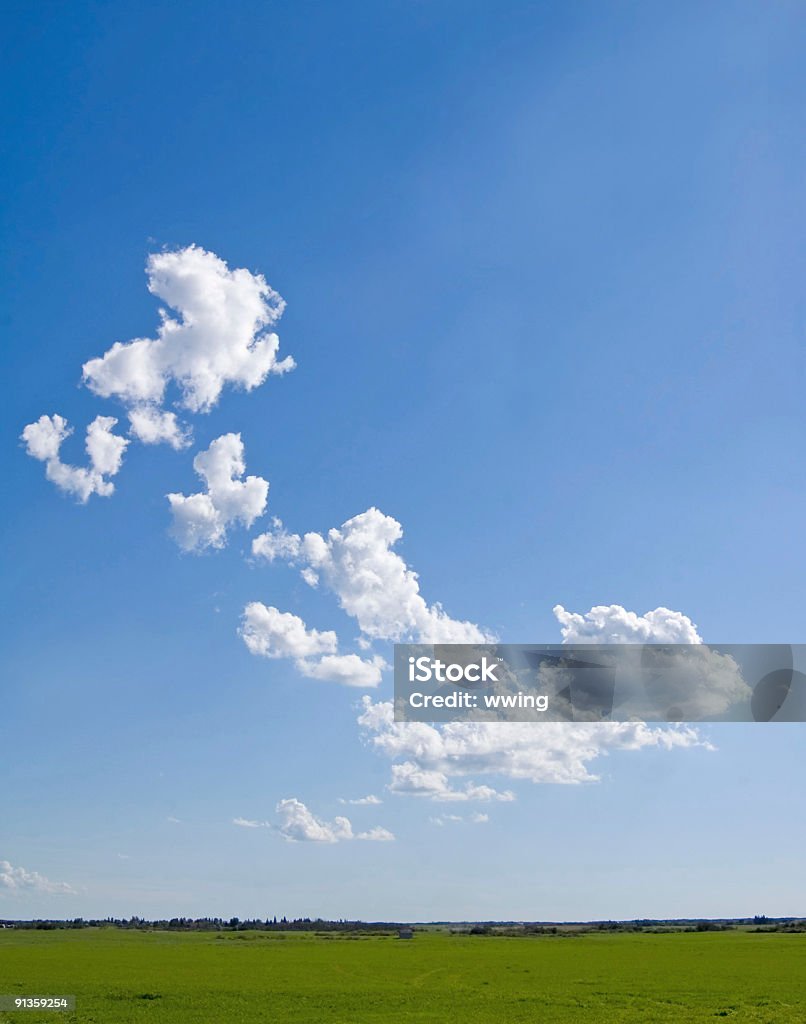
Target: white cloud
x: 152, y: 426
x: 44, y: 438
x: 614, y: 624
x: 201, y: 520
x: 220, y: 336
x: 277, y: 543
x: 371, y: 581
x: 411, y: 779
x: 435, y: 760
x: 362, y: 801
x: 688, y: 682
x: 268, y: 632
x: 458, y: 819
x: 274, y: 634
x: 248, y: 823
x: 19, y: 881
x: 298, y: 824
x: 377, y: 835
x: 347, y: 669
x: 435, y: 755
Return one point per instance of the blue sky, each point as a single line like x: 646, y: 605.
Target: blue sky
x: 543, y: 268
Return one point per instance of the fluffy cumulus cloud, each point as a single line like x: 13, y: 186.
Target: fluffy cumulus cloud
x: 270, y: 633
x: 219, y: 336
x: 347, y: 669
x: 43, y: 440
x: 298, y: 824
x: 277, y: 544
x: 687, y: 681
x: 201, y: 520
x: 372, y: 582
x: 362, y: 801
x: 435, y: 760
x: 275, y: 634
x: 429, y: 758
x: 18, y: 881
x: 610, y: 623
x: 154, y: 426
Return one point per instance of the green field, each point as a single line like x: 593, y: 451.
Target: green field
x: 247, y: 976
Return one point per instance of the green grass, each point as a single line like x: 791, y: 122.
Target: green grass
x: 254, y: 977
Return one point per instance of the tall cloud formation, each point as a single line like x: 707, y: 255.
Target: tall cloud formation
x: 372, y: 582
x: 201, y: 520
x: 19, y: 881
x: 43, y: 441
x: 221, y: 336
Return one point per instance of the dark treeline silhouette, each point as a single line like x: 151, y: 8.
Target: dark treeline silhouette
x: 206, y: 924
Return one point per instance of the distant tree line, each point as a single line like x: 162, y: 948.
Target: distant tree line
x: 758, y: 923
x: 206, y: 924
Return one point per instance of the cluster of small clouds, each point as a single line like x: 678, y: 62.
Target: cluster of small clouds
x: 297, y: 824
x: 372, y: 583
x: 220, y: 336
x: 43, y: 441
x: 19, y: 881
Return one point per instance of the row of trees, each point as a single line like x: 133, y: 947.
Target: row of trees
x: 307, y: 924
x: 203, y: 924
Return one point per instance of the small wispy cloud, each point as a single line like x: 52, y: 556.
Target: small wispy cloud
x: 298, y: 824
x: 458, y: 819
x: 20, y: 881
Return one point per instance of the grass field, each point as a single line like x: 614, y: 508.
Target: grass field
x: 122, y: 976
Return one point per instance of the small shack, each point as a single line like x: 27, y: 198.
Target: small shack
x: 405, y: 933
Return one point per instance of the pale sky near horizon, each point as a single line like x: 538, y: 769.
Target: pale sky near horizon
x: 536, y: 271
